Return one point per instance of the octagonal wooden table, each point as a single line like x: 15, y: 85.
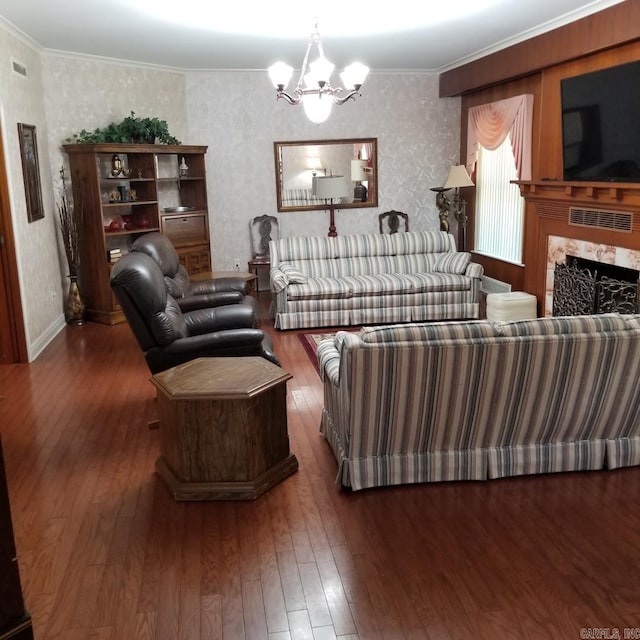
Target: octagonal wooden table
x: 223, y: 428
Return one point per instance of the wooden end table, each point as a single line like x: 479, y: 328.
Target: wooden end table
x: 256, y: 265
x: 249, y: 278
x: 223, y: 428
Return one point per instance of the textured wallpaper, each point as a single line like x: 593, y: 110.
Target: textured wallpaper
x: 237, y: 116
x: 41, y: 285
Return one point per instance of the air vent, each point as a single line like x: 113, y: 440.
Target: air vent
x: 18, y: 68
x: 599, y: 219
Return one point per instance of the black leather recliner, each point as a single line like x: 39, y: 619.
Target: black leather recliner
x: 191, y: 295
x: 169, y: 337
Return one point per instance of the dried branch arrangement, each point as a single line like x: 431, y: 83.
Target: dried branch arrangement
x: 70, y: 225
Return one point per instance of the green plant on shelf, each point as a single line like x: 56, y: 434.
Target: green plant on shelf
x: 132, y: 129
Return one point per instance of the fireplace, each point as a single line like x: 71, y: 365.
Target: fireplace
x: 604, y: 263
x: 584, y: 286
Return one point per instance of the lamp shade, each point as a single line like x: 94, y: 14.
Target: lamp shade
x: 358, y: 173
x: 313, y: 163
x: 280, y: 74
x: 330, y: 187
x: 458, y: 177
x: 354, y: 75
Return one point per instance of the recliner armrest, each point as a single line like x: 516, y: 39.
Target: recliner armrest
x: 231, y: 283
x: 218, y: 299
x: 232, y: 316
x: 231, y: 342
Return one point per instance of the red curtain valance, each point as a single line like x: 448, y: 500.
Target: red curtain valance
x: 489, y: 125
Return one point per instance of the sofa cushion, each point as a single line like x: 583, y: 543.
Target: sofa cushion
x: 375, y: 244
x: 429, y: 331
x: 562, y: 325
x: 320, y: 288
x: 379, y: 284
x: 294, y: 276
x: 305, y: 248
x: 453, y: 262
x: 427, y: 282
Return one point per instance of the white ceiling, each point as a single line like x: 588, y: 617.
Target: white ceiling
x: 203, y: 34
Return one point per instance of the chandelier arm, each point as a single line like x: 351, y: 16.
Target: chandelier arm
x: 289, y: 98
x: 342, y: 99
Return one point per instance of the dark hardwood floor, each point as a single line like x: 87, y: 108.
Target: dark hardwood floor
x: 106, y: 554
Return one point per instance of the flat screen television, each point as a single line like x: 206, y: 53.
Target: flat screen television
x: 601, y: 125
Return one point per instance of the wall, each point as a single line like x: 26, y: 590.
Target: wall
x: 41, y: 287
x: 237, y: 116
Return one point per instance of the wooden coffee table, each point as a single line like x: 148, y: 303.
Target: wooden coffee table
x: 223, y: 428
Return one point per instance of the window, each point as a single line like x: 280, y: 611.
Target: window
x: 499, y: 216
x: 499, y: 145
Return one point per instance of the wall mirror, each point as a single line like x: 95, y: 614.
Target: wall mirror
x: 301, y: 167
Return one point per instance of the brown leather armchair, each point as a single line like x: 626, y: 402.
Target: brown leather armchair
x: 169, y: 337
x: 190, y: 295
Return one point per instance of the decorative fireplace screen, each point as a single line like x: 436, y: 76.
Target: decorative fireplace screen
x: 585, y: 287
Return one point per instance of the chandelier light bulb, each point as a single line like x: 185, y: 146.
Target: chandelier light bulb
x: 280, y: 74
x: 321, y: 69
x: 354, y: 75
x: 317, y: 107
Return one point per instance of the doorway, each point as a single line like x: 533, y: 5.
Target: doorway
x: 13, y: 345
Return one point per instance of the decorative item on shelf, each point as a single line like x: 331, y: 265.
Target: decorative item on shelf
x: 331, y: 188
x: 142, y: 221
x: 317, y: 95
x: 458, y: 177
x: 123, y: 191
x: 139, y: 174
x: 70, y: 216
x: 114, y: 196
x: 115, y: 225
x: 183, y: 169
x: 113, y: 255
x: 358, y: 175
x: 116, y: 165
x: 117, y: 168
x: 131, y: 129
x: 133, y: 195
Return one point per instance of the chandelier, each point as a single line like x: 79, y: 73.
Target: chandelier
x: 314, y: 88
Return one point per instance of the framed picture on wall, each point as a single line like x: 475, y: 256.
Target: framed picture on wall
x: 31, y: 171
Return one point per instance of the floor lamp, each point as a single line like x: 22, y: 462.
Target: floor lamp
x: 458, y: 177
x: 330, y: 188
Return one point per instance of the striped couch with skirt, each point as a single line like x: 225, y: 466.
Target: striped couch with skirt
x: 477, y: 400
x: 372, y: 278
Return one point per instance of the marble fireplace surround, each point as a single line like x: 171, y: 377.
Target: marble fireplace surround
x: 558, y: 248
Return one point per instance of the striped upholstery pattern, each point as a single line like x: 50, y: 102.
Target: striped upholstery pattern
x: 464, y: 401
x: 398, y: 271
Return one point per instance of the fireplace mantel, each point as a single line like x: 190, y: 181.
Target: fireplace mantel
x: 600, y: 193
x: 548, y: 206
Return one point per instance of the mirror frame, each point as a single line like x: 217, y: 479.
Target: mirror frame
x: 372, y: 188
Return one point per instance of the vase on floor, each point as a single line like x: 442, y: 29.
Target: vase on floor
x: 75, y: 305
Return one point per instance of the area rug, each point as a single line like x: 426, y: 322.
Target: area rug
x: 310, y: 343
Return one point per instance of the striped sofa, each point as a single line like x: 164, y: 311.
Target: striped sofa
x: 371, y: 278
x: 476, y: 400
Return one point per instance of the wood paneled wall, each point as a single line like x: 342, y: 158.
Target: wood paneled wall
x: 536, y: 66
x: 606, y: 29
